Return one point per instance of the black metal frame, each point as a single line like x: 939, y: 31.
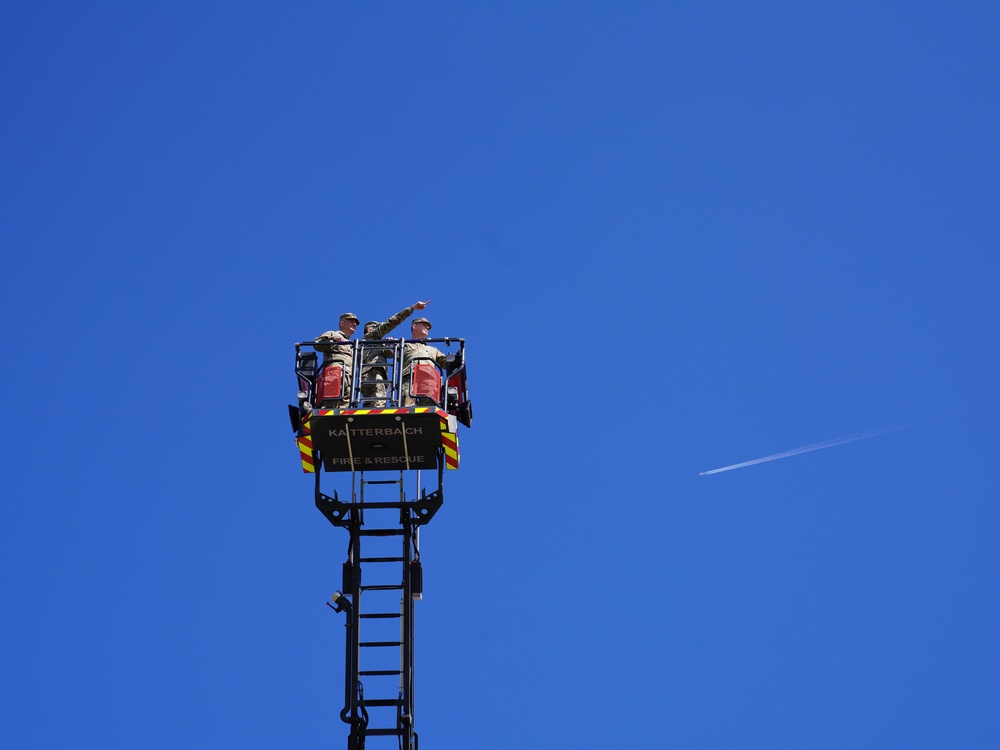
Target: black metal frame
x: 351, y: 516
x: 393, y: 398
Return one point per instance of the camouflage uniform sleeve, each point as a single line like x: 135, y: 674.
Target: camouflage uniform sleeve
x: 383, y: 328
x: 329, y: 336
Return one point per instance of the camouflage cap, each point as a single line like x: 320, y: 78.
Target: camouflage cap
x: 421, y: 320
x: 350, y: 316
x: 371, y: 324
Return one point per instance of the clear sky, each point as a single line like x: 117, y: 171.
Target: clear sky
x: 675, y: 236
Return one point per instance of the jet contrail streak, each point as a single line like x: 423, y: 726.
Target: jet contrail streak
x: 815, y: 447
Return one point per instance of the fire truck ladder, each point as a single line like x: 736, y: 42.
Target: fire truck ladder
x: 379, y: 638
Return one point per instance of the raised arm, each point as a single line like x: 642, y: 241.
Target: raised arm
x: 383, y: 328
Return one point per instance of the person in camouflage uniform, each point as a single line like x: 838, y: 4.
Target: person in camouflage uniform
x: 416, y: 351
x: 338, y: 350
x: 375, y: 360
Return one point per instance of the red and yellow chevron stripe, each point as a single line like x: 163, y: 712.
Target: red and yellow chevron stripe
x: 305, y: 444
x: 352, y: 412
x: 450, y: 442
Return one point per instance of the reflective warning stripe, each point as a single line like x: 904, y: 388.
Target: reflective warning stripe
x: 450, y: 442
x: 351, y: 412
x: 305, y: 444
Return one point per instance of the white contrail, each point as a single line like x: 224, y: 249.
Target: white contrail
x: 815, y: 447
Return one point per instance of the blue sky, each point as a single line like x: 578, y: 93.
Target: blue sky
x: 675, y: 237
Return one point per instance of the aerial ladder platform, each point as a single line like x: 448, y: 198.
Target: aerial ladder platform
x: 389, y: 460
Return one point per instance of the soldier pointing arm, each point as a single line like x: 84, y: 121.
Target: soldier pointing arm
x: 376, y: 330
x: 375, y: 360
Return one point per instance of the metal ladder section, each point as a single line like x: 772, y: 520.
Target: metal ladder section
x: 384, y: 543
x: 378, y: 377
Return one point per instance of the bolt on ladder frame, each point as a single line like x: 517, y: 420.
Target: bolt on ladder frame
x: 365, y: 657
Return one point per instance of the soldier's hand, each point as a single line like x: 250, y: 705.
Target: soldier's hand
x: 421, y: 305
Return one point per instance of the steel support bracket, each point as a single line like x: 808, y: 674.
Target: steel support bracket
x: 425, y: 508
x: 335, y: 511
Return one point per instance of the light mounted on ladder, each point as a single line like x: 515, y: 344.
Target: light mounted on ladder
x: 340, y: 603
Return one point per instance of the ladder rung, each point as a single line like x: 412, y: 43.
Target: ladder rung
x: 383, y: 587
x: 380, y: 559
x: 381, y: 481
x: 380, y: 644
x: 381, y: 532
x: 382, y: 732
x: 378, y: 672
x: 381, y: 702
x: 380, y: 615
